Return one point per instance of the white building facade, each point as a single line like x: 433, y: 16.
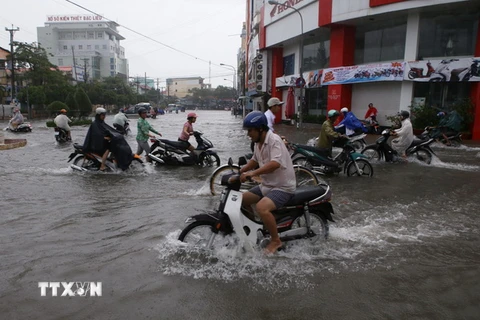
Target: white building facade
x: 355, y: 52
x: 90, y: 40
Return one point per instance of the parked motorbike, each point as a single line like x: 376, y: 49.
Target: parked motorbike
x: 92, y: 161
x: 454, y: 137
x: 418, y: 72
x: 61, y: 135
x: 125, y: 130
x: 420, y: 149
x: 23, y: 127
x: 304, y: 217
x: 349, y: 161
x: 304, y: 176
x: 169, y: 152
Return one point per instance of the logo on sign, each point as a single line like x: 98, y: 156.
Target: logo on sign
x: 70, y: 289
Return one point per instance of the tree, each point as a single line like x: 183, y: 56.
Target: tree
x: 71, y: 102
x: 84, y: 104
x: 56, y: 106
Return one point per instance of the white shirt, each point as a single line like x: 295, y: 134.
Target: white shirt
x: 273, y: 149
x: 120, y: 119
x: 270, y: 119
x: 62, y: 122
x: 405, y: 137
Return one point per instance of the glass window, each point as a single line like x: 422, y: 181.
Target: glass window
x: 452, y: 34
x: 381, y: 41
x: 104, y: 47
x: 316, y: 51
x: 289, y: 65
x: 65, y: 47
x: 316, y: 100
x: 60, y: 62
x: 90, y: 35
x: 80, y: 47
x: 100, y: 35
x: 441, y: 95
x: 112, y: 67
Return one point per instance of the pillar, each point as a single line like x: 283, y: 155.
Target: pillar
x: 277, y: 71
x: 475, y: 95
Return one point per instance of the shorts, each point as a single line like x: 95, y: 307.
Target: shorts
x: 279, y: 197
x: 143, y: 146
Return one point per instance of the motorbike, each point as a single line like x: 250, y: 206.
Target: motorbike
x: 125, y: 130
x: 420, y: 149
x: 169, y: 152
x: 442, y: 72
x: 372, y: 126
x: 348, y: 160
x: 454, y: 137
x: 86, y: 161
x: 357, y: 140
x: 23, y: 127
x: 418, y: 72
x: 304, y: 176
x: 61, y: 135
x: 304, y: 217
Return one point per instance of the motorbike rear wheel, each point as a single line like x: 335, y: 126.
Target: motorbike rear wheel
x: 209, y: 160
x: 319, y: 226
x: 422, y: 155
x: 365, y: 167
x: 372, y: 153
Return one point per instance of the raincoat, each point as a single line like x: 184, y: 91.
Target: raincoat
x: 404, y: 137
x: 351, y: 124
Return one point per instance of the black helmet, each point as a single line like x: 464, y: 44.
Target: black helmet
x: 255, y: 119
x: 142, y: 110
x: 404, y: 114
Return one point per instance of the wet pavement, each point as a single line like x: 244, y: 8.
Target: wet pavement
x: 404, y: 245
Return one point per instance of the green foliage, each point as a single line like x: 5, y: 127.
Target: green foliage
x: 465, y: 109
x: 71, y: 102
x: 56, y: 106
x: 75, y: 122
x: 84, y: 104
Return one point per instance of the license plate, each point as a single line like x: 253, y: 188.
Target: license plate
x: 57, y: 133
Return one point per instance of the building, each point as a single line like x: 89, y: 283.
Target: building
x: 91, y: 40
x: 354, y: 52
x: 4, y: 79
x: 181, y: 87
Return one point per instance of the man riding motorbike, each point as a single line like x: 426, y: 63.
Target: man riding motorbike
x: 328, y: 134
x: 271, y: 161
x: 62, y: 122
x: 120, y: 121
x: 17, y: 119
x: 404, y: 135
x: 350, y: 123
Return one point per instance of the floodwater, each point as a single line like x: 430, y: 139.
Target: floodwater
x: 405, y: 244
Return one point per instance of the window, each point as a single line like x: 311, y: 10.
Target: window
x: 79, y: 35
x: 112, y: 67
x: 99, y: 35
x: 289, y: 65
x: 316, y: 100
x: 97, y: 47
x: 316, y: 52
x: 112, y: 73
x: 89, y: 47
x: 452, y: 34
x: 65, y: 47
x: 90, y: 35
x: 80, y: 47
x: 381, y: 41
x: 60, y: 62
x: 441, y: 95
x: 112, y: 60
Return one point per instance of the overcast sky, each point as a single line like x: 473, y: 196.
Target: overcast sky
x: 206, y: 29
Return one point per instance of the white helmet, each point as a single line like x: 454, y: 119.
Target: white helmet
x: 344, y: 110
x: 100, y: 111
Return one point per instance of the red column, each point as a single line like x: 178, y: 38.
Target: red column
x: 475, y: 96
x: 277, y: 71
x: 342, y: 53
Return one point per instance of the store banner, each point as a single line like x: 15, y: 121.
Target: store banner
x: 465, y: 69
x: 392, y: 71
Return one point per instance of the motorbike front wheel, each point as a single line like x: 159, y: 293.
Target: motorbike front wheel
x: 364, y: 166
x: 372, y: 153
x: 209, y: 160
x: 86, y: 163
x: 422, y: 155
x: 302, y: 161
x: 201, y: 234
x: 305, y: 176
x: 216, y: 179
x: 359, y: 144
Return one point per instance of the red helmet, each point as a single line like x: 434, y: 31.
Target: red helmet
x: 191, y: 115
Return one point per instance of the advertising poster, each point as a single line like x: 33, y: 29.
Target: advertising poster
x: 391, y: 71
x: 446, y: 70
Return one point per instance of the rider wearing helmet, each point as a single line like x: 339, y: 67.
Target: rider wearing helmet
x: 98, y: 137
x: 328, y: 134
x: 271, y: 161
x: 17, y: 119
x: 350, y: 124
x: 404, y: 135
x: 62, y: 122
x: 187, y: 131
x: 143, y: 129
x: 120, y: 121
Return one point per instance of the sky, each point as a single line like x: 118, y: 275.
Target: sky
x: 205, y: 30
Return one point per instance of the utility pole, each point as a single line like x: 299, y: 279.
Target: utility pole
x: 12, y: 30
x: 74, y: 64
x: 85, y: 66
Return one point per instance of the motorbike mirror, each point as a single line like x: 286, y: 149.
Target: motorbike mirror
x: 242, y: 161
x: 230, y: 162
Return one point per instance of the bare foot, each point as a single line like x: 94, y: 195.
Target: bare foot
x: 102, y: 168
x: 273, y: 246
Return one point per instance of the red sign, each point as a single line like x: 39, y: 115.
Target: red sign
x: 277, y: 9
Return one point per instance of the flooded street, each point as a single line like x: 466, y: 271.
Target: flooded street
x: 405, y: 244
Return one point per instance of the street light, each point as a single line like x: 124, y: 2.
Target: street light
x: 234, y: 73
x: 301, y: 81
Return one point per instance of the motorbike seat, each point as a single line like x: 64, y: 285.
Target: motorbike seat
x: 306, y: 193
x: 78, y: 146
x: 320, y: 151
x: 176, y: 144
